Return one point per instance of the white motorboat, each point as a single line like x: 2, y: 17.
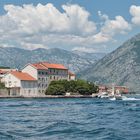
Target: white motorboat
x: 103, y: 95
x: 115, y: 96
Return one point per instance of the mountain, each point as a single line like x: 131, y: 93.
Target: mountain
x: 121, y: 67
x: 90, y: 55
x: 17, y: 58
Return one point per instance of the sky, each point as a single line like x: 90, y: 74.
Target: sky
x: 83, y: 25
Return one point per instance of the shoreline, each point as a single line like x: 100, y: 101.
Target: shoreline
x: 53, y: 96
x: 56, y: 96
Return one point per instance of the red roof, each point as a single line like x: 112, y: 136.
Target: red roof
x: 71, y: 74
x: 39, y: 66
x: 54, y: 66
x: 46, y: 65
x: 23, y: 76
x: 2, y: 72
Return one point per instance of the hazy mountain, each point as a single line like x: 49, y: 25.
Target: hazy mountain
x: 95, y: 56
x: 17, y: 58
x: 121, y: 67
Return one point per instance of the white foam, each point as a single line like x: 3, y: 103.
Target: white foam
x: 112, y: 99
x: 124, y: 98
x: 129, y: 99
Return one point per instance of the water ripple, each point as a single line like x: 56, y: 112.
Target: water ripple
x: 57, y: 119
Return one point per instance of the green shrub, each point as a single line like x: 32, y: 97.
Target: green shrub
x: 62, y: 86
x: 2, y: 86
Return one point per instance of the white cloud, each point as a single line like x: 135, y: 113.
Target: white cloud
x: 111, y: 27
x: 135, y: 12
x: 78, y: 19
x: 44, y: 26
x: 84, y: 49
x: 118, y: 25
x: 47, y: 19
x: 32, y: 45
x: 29, y: 24
x: 103, y: 16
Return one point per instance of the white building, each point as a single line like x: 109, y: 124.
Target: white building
x: 20, y: 84
x: 4, y: 70
x: 71, y: 76
x: 46, y: 72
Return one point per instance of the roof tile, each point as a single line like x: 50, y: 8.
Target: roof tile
x: 54, y: 66
x: 23, y: 76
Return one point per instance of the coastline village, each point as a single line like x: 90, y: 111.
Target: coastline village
x: 33, y: 80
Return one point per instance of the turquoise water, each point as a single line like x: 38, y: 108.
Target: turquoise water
x: 67, y: 119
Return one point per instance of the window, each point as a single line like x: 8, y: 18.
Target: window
x: 42, y: 79
x: 15, y: 82
x: 10, y: 83
x: 38, y: 84
x: 50, y: 77
x: 42, y: 73
x: 29, y: 84
x: 57, y: 72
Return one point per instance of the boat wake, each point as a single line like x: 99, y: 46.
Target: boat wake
x: 124, y: 98
x: 129, y: 99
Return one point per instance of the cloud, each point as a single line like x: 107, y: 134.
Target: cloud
x: 84, y: 49
x: 32, y: 45
x: 44, y: 26
x: 47, y: 19
x: 111, y: 27
x: 28, y: 24
x: 103, y: 16
x: 135, y: 12
x: 78, y: 19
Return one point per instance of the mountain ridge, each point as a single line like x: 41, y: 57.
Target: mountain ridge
x: 17, y: 57
x: 121, y: 67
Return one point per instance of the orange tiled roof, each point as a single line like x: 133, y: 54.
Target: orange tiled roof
x: 71, y: 74
x: 23, y: 76
x: 2, y: 72
x: 39, y: 66
x: 54, y: 66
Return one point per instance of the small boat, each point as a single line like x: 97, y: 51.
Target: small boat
x: 115, y: 96
x: 103, y: 95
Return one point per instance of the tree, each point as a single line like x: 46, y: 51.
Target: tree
x: 80, y: 86
x: 55, y: 90
x: 2, y: 86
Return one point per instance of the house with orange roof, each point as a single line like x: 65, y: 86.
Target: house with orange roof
x: 46, y: 72
x: 4, y: 70
x: 20, y: 84
x: 71, y: 76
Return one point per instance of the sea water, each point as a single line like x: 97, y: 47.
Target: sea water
x: 67, y: 119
